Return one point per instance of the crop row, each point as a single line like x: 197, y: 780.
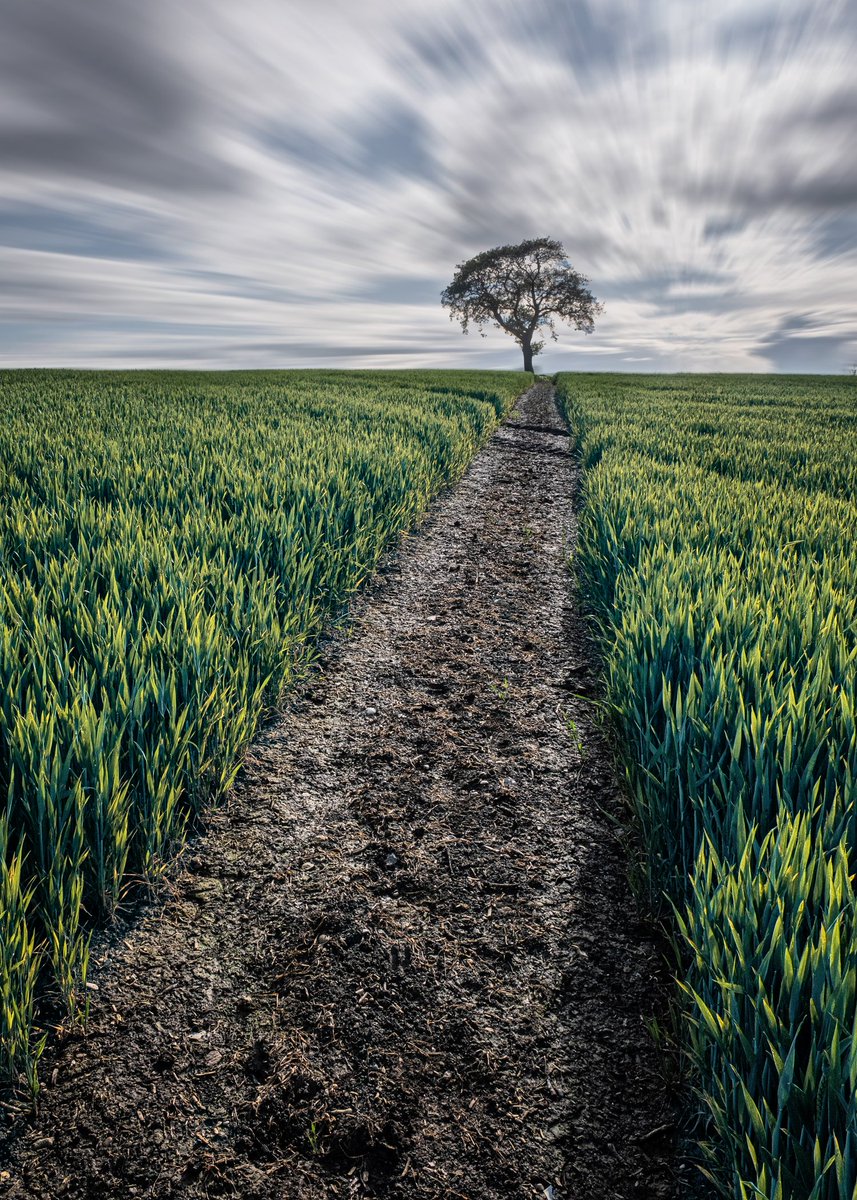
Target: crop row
x: 170, y: 546
x: 718, y: 554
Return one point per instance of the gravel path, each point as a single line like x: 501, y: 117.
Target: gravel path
x: 404, y: 961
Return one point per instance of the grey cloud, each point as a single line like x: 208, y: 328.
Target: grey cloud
x: 401, y: 289
x: 833, y: 236
x: 681, y: 291
x: 230, y: 284
x: 94, y: 90
x: 836, y: 111
x: 293, y: 142
x: 448, y: 50
x: 720, y: 227
x: 776, y: 33
x: 324, y: 350
x: 394, y: 138
x: 652, y: 287
x: 765, y: 36
x: 798, y: 345
x: 96, y: 234
x: 588, y: 36
x: 388, y: 139
x: 828, y: 189
x: 823, y: 355
x: 799, y: 158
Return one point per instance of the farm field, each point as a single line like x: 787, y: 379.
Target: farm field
x: 718, y: 552
x: 404, y: 959
x: 170, y: 547
x: 409, y: 936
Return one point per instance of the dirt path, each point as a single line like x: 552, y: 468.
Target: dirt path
x: 404, y: 962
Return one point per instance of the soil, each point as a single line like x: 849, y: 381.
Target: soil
x: 404, y: 960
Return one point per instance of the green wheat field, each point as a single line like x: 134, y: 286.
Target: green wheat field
x: 718, y: 554
x: 172, y: 545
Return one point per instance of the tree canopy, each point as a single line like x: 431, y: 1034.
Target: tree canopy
x: 521, y: 289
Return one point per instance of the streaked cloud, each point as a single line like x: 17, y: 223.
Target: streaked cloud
x: 277, y: 184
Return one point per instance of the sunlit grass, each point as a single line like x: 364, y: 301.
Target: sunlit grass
x: 170, y: 546
x: 718, y: 551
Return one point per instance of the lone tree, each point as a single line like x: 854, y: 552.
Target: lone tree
x: 521, y: 289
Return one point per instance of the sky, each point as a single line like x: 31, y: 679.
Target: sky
x: 291, y: 183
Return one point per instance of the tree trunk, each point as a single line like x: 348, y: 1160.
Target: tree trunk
x: 527, y: 348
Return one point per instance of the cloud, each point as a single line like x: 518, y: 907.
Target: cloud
x: 803, y: 343
x: 278, y: 184
x: 96, y: 92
